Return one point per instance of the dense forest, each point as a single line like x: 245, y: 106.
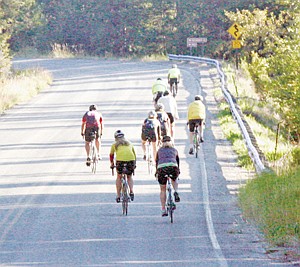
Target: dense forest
x: 270, y: 36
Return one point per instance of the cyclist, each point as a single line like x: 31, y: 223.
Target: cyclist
x: 151, y: 130
x: 158, y: 88
x: 196, y: 116
x: 167, y: 163
x: 163, y: 118
x: 125, y: 154
x: 170, y: 105
x: 174, y: 76
x: 92, y: 122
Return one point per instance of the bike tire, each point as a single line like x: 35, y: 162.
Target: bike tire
x: 174, y: 90
x: 94, y: 160
x: 149, y: 159
x: 125, y: 199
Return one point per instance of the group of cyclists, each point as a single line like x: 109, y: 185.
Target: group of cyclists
x: 158, y: 128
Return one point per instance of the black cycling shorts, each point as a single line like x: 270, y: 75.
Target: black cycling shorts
x: 173, y: 80
x: 89, y: 131
x: 168, y: 170
x: 130, y: 166
x: 193, y: 123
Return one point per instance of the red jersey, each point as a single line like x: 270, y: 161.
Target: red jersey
x: 92, y: 119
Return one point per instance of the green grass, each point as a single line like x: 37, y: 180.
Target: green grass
x: 233, y: 134
x: 273, y: 203
x: 272, y: 200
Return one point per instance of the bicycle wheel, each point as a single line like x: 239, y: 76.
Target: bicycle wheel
x: 94, y: 159
x: 174, y: 90
x: 170, y: 203
x: 150, y: 159
x: 170, y: 209
x: 125, y: 197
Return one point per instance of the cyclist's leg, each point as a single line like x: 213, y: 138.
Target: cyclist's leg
x: 118, y: 184
x: 163, y: 196
x: 144, y: 145
x: 201, y: 129
x: 119, y: 168
x: 87, y: 139
x: 154, y: 149
x: 191, y: 135
x: 87, y: 148
x: 130, y: 182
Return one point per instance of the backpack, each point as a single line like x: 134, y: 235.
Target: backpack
x: 148, y: 128
x: 162, y: 123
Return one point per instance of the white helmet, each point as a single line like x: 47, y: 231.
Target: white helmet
x: 174, y: 66
x: 119, y: 134
x: 152, y: 114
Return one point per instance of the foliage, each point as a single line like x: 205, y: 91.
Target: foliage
x: 16, y: 16
x: 144, y: 28
x: 271, y: 47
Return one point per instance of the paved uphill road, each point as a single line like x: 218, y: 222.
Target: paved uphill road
x: 55, y: 212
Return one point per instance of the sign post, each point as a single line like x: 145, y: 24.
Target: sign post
x: 193, y: 42
x: 235, y: 31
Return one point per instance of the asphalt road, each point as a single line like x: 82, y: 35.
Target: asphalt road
x: 55, y: 212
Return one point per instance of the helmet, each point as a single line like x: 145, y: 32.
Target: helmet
x: 92, y: 107
x: 158, y: 79
x: 199, y: 97
x: 119, y: 134
x: 152, y: 114
x: 174, y: 66
x: 166, y: 138
x: 159, y: 106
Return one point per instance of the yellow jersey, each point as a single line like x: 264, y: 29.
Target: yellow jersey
x: 159, y: 86
x: 123, y: 153
x: 196, y: 110
x: 174, y: 73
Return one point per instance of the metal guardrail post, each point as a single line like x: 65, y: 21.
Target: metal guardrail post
x: 251, y: 149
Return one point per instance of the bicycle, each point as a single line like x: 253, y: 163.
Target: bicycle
x: 150, y: 159
x: 93, y: 155
x: 170, y: 204
x: 124, y: 194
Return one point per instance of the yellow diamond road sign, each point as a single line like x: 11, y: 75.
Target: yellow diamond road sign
x: 235, y: 30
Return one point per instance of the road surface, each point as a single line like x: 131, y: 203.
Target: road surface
x: 55, y: 212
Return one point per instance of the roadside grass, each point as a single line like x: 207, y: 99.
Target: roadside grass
x: 272, y: 199
x: 233, y: 134
x: 21, y: 86
x: 273, y: 203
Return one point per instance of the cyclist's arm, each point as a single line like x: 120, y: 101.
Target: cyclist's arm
x: 82, y: 128
x: 177, y: 159
x: 111, y: 156
x: 158, y: 132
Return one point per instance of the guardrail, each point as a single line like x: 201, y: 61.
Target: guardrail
x: 251, y: 149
